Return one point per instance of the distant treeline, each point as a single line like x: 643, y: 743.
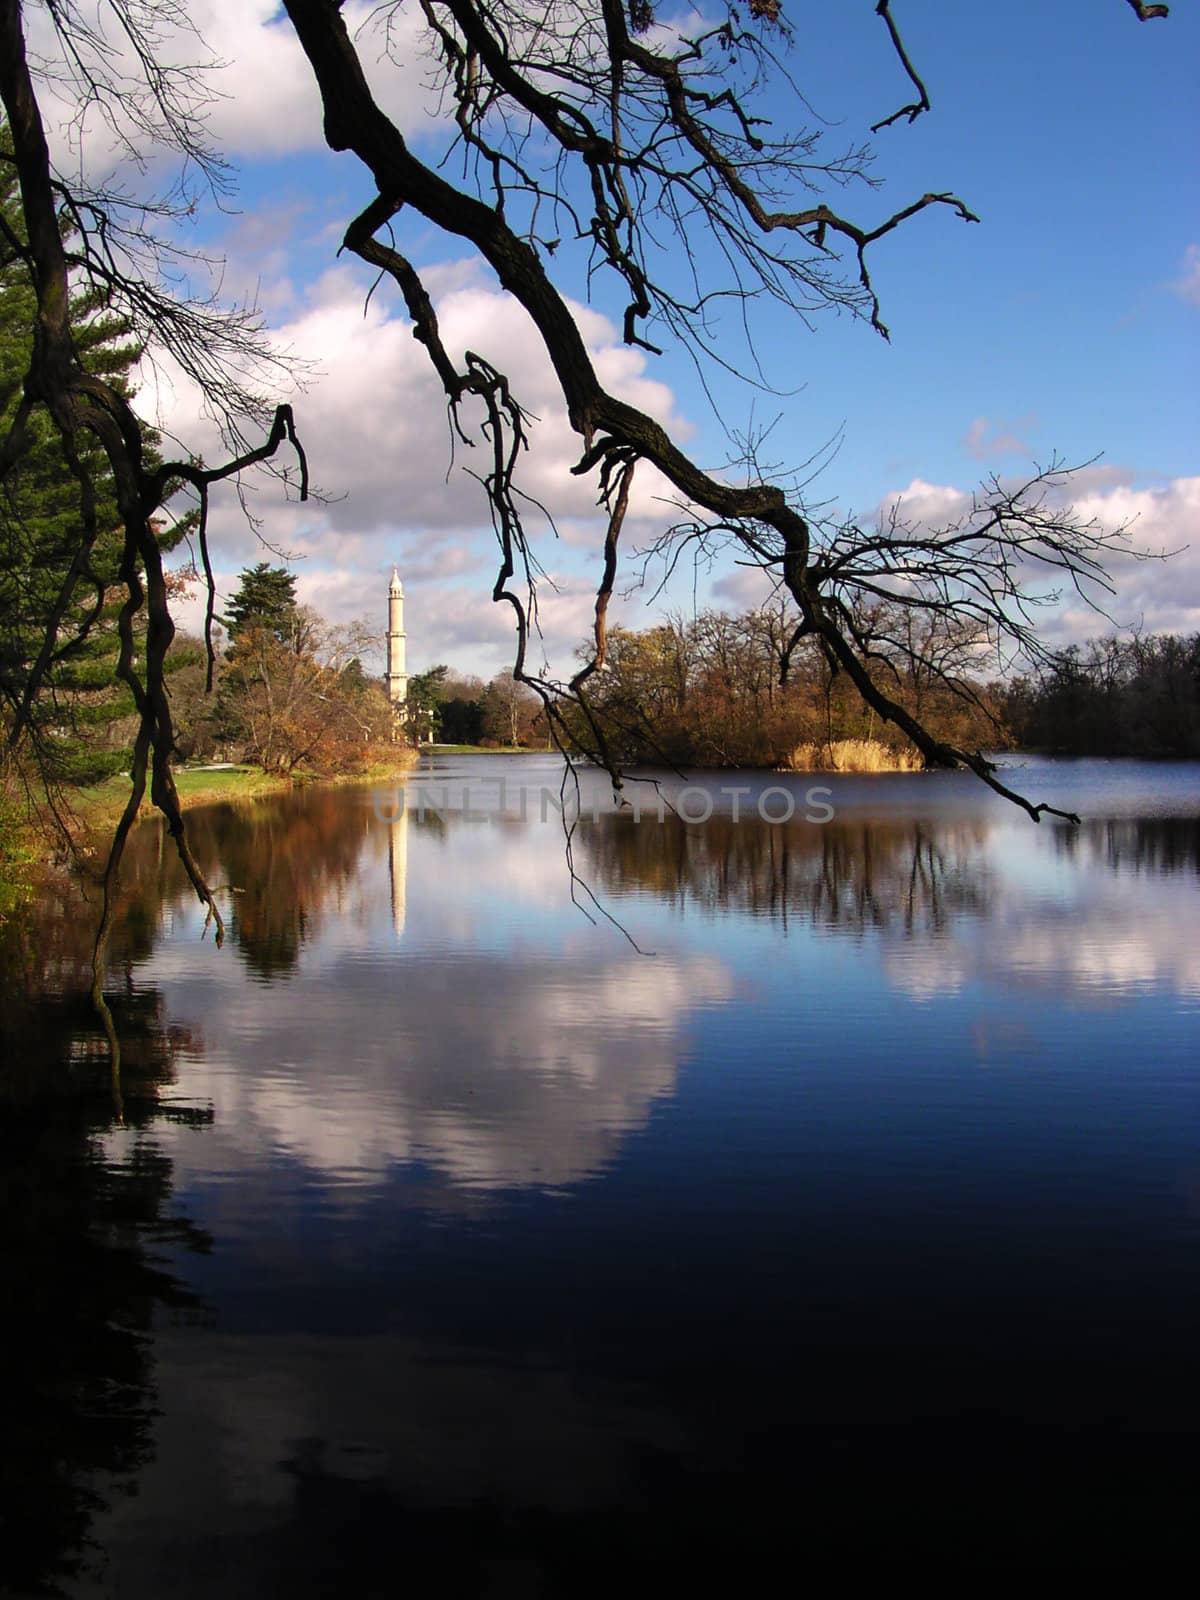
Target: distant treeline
x: 715, y: 690
x: 1138, y: 696
x: 459, y: 708
x: 727, y: 691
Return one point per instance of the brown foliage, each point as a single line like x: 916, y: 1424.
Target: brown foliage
x: 286, y: 708
x: 726, y: 691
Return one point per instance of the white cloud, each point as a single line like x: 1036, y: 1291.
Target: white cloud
x: 374, y: 424
x: 268, y: 99
x: 1187, y: 285
x: 249, y: 64
x: 374, y: 418
x: 1158, y: 595
x: 455, y: 622
x: 986, y: 438
x: 932, y: 503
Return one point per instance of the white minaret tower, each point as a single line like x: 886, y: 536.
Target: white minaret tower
x: 397, y: 672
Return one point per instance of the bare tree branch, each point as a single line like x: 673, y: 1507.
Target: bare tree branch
x: 913, y: 111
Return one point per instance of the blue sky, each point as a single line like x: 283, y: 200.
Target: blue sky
x: 1065, y: 322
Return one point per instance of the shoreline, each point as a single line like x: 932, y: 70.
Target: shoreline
x: 202, y: 786
x: 89, y: 812
x: 483, y: 750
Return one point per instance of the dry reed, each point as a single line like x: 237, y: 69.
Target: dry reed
x: 853, y: 755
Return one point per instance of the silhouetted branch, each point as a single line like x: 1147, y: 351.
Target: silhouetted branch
x: 655, y: 130
x: 913, y: 111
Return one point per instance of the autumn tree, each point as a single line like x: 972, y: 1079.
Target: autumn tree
x: 293, y: 693
x: 728, y: 690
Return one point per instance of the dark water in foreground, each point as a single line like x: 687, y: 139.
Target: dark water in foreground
x: 451, y: 1245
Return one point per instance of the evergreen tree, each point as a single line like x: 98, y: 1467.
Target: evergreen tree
x: 265, y: 598
x: 82, y: 720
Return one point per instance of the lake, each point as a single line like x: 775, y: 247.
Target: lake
x: 824, y: 1191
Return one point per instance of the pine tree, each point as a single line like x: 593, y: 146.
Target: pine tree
x: 265, y: 598
x: 82, y: 720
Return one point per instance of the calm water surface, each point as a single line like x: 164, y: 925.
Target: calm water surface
x: 833, y: 1196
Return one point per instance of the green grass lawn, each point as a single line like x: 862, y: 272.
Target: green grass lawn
x: 205, y: 785
x: 195, y: 785
x: 229, y: 780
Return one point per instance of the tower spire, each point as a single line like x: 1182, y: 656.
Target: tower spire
x: 397, y: 670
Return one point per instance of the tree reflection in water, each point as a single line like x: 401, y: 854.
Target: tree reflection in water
x: 902, y: 875
x: 279, y: 867
x: 1161, y: 846
x: 83, y: 1226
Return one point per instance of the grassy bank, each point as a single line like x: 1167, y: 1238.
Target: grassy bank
x: 91, y: 812
x: 103, y: 803
x: 202, y: 786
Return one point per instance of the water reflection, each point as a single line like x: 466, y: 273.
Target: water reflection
x: 398, y: 871
x: 532, y: 1080
x: 286, y: 866
x: 1159, y: 845
x: 952, y: 903
x: 901, y: 876
x: 86, y: 1208
x: 491, y: 1041
x: 525, y: 1246
x: 494, y: 1041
